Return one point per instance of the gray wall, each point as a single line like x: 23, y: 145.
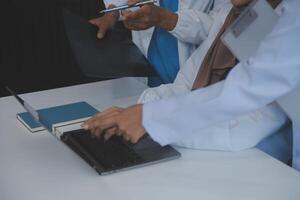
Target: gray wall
x: 34, y: 51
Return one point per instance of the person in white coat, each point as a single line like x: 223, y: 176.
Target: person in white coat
x: 233, y: 114
x: 187, y: 35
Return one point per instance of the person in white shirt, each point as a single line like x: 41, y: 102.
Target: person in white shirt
x: 233, y: 114
x: 167, y: 33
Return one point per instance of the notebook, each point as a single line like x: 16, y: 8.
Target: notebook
x: 58, y: 116
x: 114, y: 56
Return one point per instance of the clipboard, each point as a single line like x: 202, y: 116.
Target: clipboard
x: 114, y: 56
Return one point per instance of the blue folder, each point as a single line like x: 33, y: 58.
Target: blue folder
x: 57, y: 114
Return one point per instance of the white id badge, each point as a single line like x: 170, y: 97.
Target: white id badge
x: 244, y: 36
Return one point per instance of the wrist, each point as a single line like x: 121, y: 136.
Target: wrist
x: 167, y: 19
x: 115, y: 15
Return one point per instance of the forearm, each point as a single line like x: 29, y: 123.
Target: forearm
x: 192, y: 26
x: 162, y: 92
x: 181, y: 85
x: 241, y: 133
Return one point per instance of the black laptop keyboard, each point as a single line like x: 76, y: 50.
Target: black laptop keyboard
x: 112, y: 154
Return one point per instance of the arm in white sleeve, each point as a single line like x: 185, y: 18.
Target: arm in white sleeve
x: 181, y: 85
x: 194, y: 24
x: 241, y: 133
x: 165, y: 90
x: 183, y: 82
x: 271, y: 73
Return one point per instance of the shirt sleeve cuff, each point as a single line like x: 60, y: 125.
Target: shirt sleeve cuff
x: 179, y: 24
x: 148, y: 95
x: 192, y: 26
x: 153, y: 130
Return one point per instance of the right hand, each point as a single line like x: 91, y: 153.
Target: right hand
x: 148, y: 16
x: 105, y: 23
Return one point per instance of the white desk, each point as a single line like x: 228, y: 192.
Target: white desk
x: 39, y: 167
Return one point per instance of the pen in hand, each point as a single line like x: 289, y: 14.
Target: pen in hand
x: 123, y: 7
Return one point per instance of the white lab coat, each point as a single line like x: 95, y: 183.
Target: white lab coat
x: 186, y: 76
x: 191, y: 29
x: 236, y: 113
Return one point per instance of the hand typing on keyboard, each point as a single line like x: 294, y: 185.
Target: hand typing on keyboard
x: 118, y: 121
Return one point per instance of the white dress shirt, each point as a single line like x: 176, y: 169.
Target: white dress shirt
x: 188, y: 32
x: 252, y: 86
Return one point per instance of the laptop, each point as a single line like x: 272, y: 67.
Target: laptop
x: 110, y: 156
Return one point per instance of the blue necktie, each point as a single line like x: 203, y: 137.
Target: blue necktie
x: 163, y: 51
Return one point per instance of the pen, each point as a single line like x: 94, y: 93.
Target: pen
x: 128, y: 6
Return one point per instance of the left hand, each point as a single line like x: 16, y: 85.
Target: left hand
x: 148, y: 16
x: 127, y: 122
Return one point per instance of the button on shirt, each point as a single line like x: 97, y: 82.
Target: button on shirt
x: 163, y: 51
